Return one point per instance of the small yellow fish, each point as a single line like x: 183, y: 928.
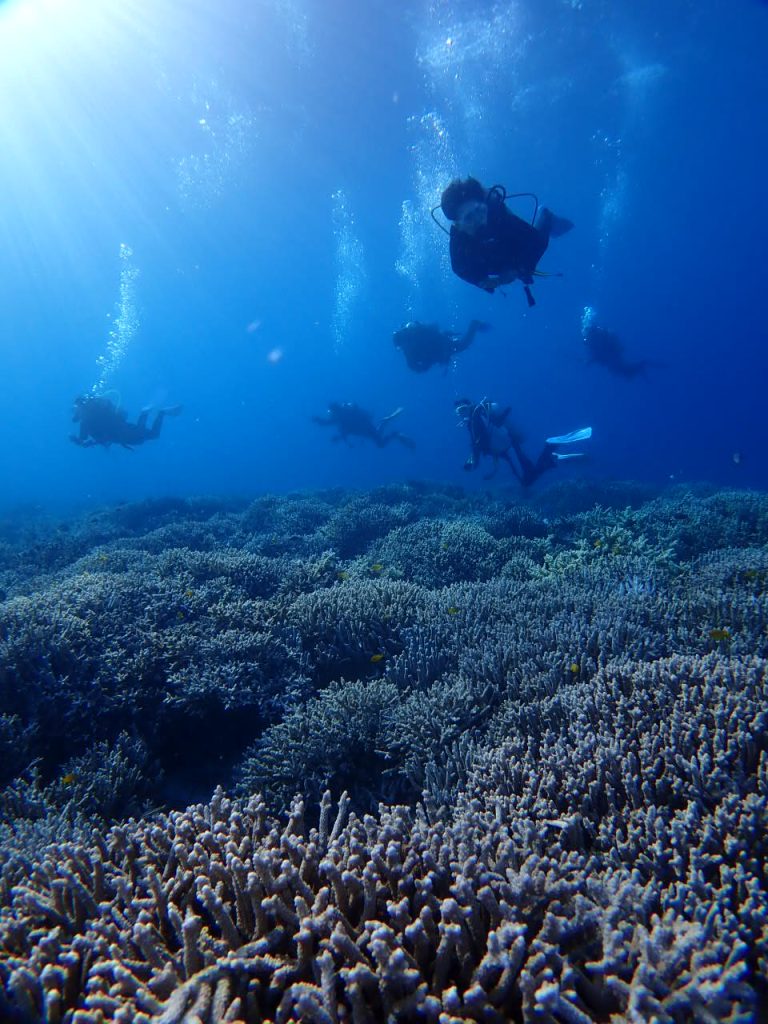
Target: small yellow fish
x: 68, y: 779
x: 377, y: 567
x: 722, y: 634
x: 453, y: 610
x: 103, y: 558
x: 189, y: 593
x: 342, y: 575
x: 376, y: 658
x: 575, y: 668
x: 180, y: 616
x: 598, y: 543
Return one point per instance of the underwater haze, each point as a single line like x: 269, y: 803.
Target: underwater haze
x: 228, y: 206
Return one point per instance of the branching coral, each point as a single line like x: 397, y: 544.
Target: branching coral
x: 578, y: 730
x: 220, y: 913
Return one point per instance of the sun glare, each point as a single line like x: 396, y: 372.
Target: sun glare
x: 98, y: 114
x: 79, y: 81
x: 51, y: 26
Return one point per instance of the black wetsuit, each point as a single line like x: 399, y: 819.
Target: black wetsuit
x: 605, y: 348
x: 506, y: 245
x: 492, y: 436
x: 351, y: 420
x: 102, y: 422
x: 530, y: 471
x: 425, y: 345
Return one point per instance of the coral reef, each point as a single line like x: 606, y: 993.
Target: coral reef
x: 543, y: 728
x: 219, y: 913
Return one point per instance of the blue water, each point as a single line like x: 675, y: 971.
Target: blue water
x: 270, y: 167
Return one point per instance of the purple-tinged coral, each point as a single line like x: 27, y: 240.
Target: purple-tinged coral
x: 220, y: 913
x: 579, y: 703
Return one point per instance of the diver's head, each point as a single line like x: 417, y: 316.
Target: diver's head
x: 458, y: 193
x: 464, y: 408
x: 472, y: 216
x: 402, y: 334
x: 77, y: 409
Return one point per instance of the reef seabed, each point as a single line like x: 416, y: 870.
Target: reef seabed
x: 491, y: 761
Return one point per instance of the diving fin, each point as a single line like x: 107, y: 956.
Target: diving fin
x: 560, y: 226
x: 575, y: 435
x: 561, y: 457
x: 553, y: 225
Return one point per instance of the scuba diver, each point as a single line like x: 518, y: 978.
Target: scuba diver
x: 425, y: 345
x: 491, y: 435
x: 352, y: 421
x: 105, y: 423
x: 605, y: 347
x: 491, y: 246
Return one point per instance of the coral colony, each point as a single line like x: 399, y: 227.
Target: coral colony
x: 443, y: 758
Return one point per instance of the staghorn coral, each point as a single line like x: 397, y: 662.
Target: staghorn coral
x: 180, y: 634
x: 436, y: 553
x: 587, y: 724
x: 661, y: 769
x: 221, y: 643
x: 16, y: 741
x: 345, y: 625
x: 106, y: 782
x: 569, y: 497
x: 352, y: 527
x: 220, y: 913
x: 30, y: 822
x: 339, y: 739
x: 678, y: 526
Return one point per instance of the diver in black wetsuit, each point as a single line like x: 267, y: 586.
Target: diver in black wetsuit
x: 351, y: 420
x: 492, y: 436
x: 606, y: 348
x: 102, y: 422
x: 425, y: 345
x: 491, y: 246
